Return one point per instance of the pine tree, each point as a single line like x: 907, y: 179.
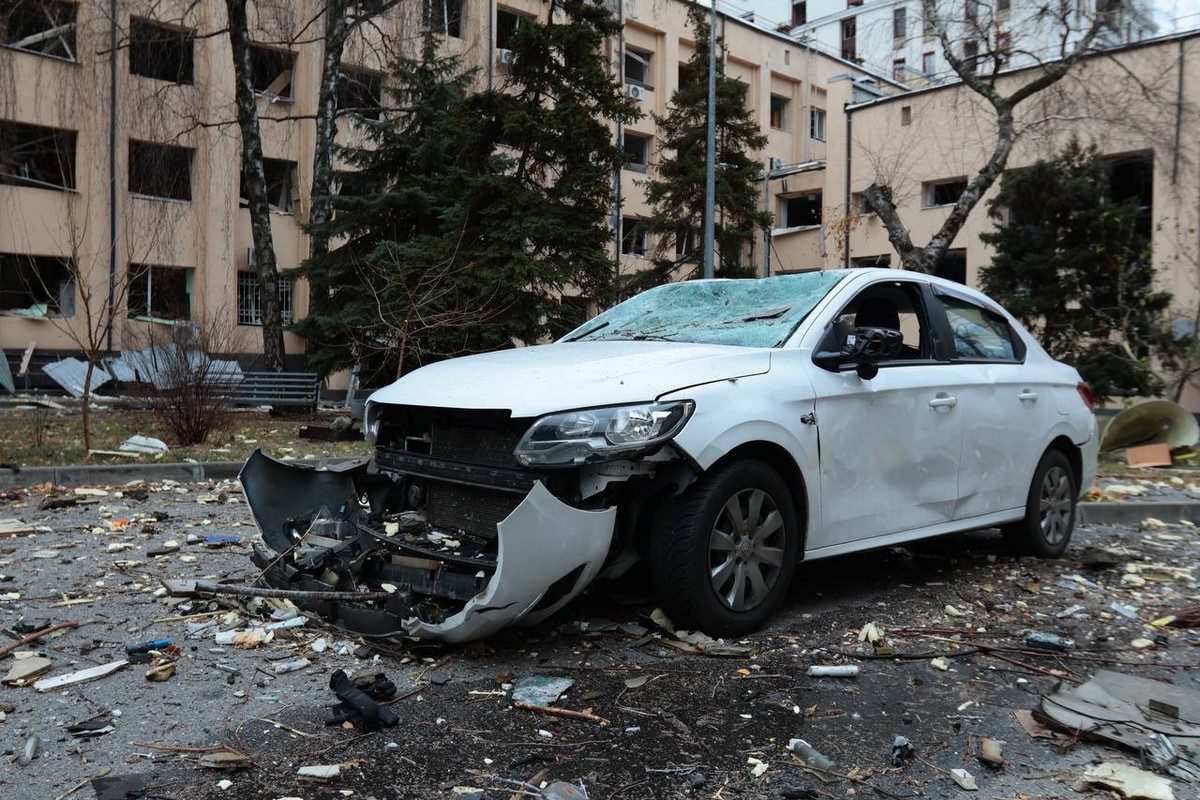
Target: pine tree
x: 676, y: 194
x: 1073, y: 264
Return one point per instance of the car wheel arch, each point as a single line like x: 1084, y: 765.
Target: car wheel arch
x: 1074, y: 456
x: 780, y: 460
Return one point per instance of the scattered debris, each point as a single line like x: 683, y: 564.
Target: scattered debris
x: 26, y: 668
x: 80, y: 676
x: 902, y: 751
x: 964, y: 779
x: 321, y: 772
x: 358, y: 701
x: 119, y: 787
x: 991, y: 753
x: 1129, y: 781
x: 30, y: 751
x: 833, y: 671
x: 758, y: 767
x: 540, y: 691
x: 225, y: 759
x: 807, y: 755
x: 144, y: 444
x: 940, y: 663
x: 15, y: 527
x: 1049, y: 641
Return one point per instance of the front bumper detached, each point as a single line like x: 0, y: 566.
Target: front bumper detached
x: 326, y: 529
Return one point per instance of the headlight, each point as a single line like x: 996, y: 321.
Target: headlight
x: 600, y: 434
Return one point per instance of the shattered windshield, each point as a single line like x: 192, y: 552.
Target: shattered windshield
x: 751, y: 312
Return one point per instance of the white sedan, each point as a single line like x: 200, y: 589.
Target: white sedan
x: 717, y: 431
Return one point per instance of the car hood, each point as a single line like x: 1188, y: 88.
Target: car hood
x: 531, y: 381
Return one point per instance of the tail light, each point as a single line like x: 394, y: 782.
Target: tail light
x: 1085, y: 392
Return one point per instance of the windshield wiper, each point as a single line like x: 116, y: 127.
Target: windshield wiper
x: 588, y: 332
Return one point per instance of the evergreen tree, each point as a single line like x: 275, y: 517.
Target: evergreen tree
x: 1072, y: 262
x: 676, y: 194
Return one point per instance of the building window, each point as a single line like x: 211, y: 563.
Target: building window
x: 637, y: 68
x: 45, y: 27
x: 42, y: 284
x: 1003, y: 6
x: 800, y: 212
x: 687, y: 241
x: 31, y: 155
x: 160, y: 52
x: 633, y: 237
x: 507, y: 24
x: 637, y: 152
x: 779, y: 112
x: 899, y: 70
x: 271, y: 71
x: 249, y: 309
x: 899, y: 22
x: 160, y: 292
x: 160, y: 170
x: 928, y: 63
x: 816, y: 124
x: 849, y: 45
x: 799, y: 13
x: 864, y: 262
x: 952, y: 265
x: 943, y: 193
x: 444, y: 17
x: 970, y: 53
x: 906, y: 115
x: 360, y: 92
x: 281, y: 185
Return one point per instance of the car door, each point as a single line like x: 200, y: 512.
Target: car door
x: 1006, y: 405
x: 889, y: 446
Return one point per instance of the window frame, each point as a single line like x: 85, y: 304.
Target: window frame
x: 62, y: 157
x: 899, y: 23
x: 929, y: 323
x: 635, y: 243
x: 287, y: 92
x: 137, y: 271
x: 249, y: 312
x: 71, y: 46
x: 280, y: 188
x: 163, y: 33
x: 633, y: 165
x: 1017, y: 343
x: 779, y: 121
x: 371, y: 87
x: 786, y: 204
x: 817, y: 119
x: 61, y: 303
x: 646, y: 59
x: 143, y: 173
x: 929, y: 189
x: 446, y: 21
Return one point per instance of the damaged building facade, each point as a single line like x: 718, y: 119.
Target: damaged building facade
x: 120, y: 185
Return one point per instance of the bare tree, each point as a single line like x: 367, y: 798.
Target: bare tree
x: 981, y: 74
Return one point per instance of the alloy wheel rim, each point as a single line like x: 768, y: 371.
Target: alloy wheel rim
x: 1055, y: 506
x: 745, y: 550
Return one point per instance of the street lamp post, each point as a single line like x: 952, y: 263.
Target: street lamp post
x: 710, y: 161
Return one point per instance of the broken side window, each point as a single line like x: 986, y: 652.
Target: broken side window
x: 800, y: 212
x: 42, y: 284
x: 360, y: 92
x: 160, y: 51
x: 943, y: 193
x: 31, y: 155
x: 444, y: 17
x: 249, y: 308
x: 160, y: 292
x: 45, y: 27
x: 160, y: 170
x: 281, y: 185
x: 271, y: 71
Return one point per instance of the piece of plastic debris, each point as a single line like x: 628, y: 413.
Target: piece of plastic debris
x: 97, y: 726
x: 27, y: 668
x: 870, y: 633
x: 951, y: 611
x: 540, y: 691
x: 291, y: 665
x: 1049, y: 641
x: 224, y: 784
x: 1123, y: 610
x: 940, y: 663
x: 833, y: 671
x: 561, y: 790
x: 545, y: 734
x: 964, y: 779
x: 357, y: 701
x: 119, y: 787
x: 636, y: 682
x: 30, y: 751
x: 1070, y: 611
x: 991, y: 753
x: 146, y: 647
x: 224, y: 759
x: 807, y: 755
x: 758, y: 766
x: 143, y: 444
x: 902, y: 751
x: 322, y: 772
x: 80, y: 676
x: 1128, y: 780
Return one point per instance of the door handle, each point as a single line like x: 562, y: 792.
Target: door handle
x: 1027, y: 395
x: 943, y: 400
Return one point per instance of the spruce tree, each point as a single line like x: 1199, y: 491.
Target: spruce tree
x: 676, y: 193
x: 1073, y: 264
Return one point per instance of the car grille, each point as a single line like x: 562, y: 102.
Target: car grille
x: 472, y: 443
x: 471, y: 509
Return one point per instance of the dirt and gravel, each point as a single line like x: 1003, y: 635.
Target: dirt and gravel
x: 672, y: 718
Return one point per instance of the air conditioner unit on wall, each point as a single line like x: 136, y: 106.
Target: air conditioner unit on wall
x: 776, y: 163
x: 505, y: 57
x: 636, y: 92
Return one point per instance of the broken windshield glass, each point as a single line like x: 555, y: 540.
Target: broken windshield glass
x: 746, y: 312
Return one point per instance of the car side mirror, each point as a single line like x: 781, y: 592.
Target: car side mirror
x: 863, y: 347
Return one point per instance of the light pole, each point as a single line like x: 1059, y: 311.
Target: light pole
x: 710, y: 160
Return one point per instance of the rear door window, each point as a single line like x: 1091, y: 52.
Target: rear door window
x: 979, y: 334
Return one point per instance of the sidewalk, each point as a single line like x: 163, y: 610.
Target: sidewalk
x: 1129, y: 512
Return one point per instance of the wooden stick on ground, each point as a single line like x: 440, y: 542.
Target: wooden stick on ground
x: 562, y: 712
x: 33, y: 637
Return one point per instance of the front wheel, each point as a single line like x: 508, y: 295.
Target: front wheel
x: 1049, y: 517
x: 722, y: 557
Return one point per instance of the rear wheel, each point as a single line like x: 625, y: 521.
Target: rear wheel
x: 1049, y: 510
x: 722, y: 557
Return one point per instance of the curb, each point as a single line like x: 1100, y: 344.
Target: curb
x: 1129, y: 513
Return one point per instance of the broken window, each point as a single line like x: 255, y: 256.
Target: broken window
x: 159, y: 51
x: 816, y: 123
x: 360, y: 92
x: 979, y: 334
x: 1132, y: 180
x: 46, y: 27
x: 160, y: 170
x: 952, y: 266
x: 866, y: 262
x: 849, y: 39
x: 31, y: 155
x: 507, y: 24
x: 271, y: 71
x: 160, y: 292
x: 637, y: 152
x: 638, y: 68
x: 43, y: 284
x: 249, y: 309
x: 444, y: 17
x: 800, y: 212
x: 943, y: 193
x: 281, y: 185
x: 799, y: 13
x: 633, y: 237
x: 779, y: 112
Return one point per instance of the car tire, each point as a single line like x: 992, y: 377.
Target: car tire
x: 1045, y: 530
x: 721, y: 556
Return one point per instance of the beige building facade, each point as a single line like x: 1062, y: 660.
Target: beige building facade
x: 119, y: 176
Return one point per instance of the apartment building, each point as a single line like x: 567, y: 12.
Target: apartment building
x: 119, y: 156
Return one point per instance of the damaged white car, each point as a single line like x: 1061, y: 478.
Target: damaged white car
x: 718, y: 431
